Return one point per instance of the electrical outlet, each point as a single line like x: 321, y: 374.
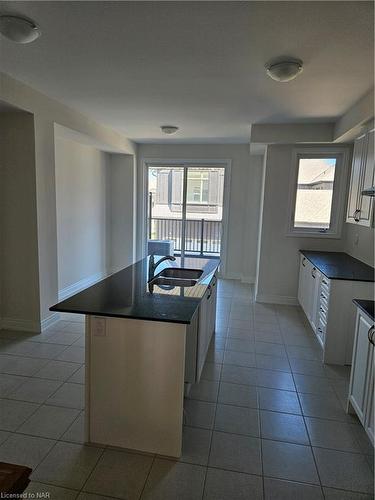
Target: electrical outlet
x: 98, y: 326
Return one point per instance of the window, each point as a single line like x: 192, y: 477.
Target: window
x: 318, y: 192
x: 197, y: 187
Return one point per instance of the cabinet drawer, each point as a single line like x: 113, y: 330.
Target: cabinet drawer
x: 324, y: 296
x: 323, y: 301
x: 323, y: 314
x: 321, y: 331
x: 326, y: 284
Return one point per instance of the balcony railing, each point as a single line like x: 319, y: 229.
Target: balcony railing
x: 201, y: 236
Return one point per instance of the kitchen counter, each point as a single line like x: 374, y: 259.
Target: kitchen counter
x: 340, y: 266
x: 125, y: 294
x: 367, y: 306
x: 141, y: 349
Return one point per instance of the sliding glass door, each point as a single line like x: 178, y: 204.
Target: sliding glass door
x: 185, y: 209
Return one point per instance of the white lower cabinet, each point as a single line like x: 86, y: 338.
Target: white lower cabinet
x: 361, y: 388
x: 370, y: 418
x: 207, y: 315
x: 327, y: 304
x: 199, y: 334
x: 308, y: 291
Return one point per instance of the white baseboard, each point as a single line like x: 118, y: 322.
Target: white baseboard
x: 26, y: 325
x: 239, y: 277
x: 250, y: 280
x: 231, y: 276
x: 49, y: 321
x: 81, y: 285
x: 284, y: 300
x: 23, y: 325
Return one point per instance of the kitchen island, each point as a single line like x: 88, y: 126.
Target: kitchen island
x: 143, y: 344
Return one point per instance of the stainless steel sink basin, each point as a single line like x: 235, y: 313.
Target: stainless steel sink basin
x: 177, y: 272
x: 164, y: 281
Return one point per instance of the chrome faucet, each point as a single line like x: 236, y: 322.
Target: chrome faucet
x: 152, y: 265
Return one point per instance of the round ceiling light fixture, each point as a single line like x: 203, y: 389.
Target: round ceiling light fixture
x: 169, y: 129
x: 285, y: 69
x: 19, y: 29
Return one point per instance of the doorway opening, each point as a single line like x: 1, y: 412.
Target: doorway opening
x: 186, y: 209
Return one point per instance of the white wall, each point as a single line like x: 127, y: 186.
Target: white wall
x: 244, y: 199
x: 348, y: 126
x: 287, y: 133
x: 122, y: 210
x: 19, y: 273
x: 251, y: 218
x: 46, y: 113
x: 359, y: 243
x: 95, y: 210
x: 81, y: 212
x: 278, y: 268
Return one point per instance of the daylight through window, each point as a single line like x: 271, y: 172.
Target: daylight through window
x: 314, y: 197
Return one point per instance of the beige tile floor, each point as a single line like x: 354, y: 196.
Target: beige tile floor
x: 266, y: 421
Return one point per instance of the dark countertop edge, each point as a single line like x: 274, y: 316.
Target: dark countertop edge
x: 338, y: 278
x: 360, y: 303
x: 208, y: 278
x: 114, y: 315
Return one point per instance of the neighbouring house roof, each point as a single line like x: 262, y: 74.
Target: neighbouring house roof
x: 315, y: 170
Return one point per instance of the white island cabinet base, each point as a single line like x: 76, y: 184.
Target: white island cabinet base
x: 135, y: 384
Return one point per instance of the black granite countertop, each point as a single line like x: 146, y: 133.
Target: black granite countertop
x: 367, y: 306
x: 125, y: 294
x: 340, y: 266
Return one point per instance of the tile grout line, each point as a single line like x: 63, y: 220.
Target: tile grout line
x: 42, y: 404
x: 92, y: 470
x: 213, y: 426
x: 308, y: 434
x: 51, y: 484
x: 220, y: 381
x: 148, y: 475
x: 261, y: 444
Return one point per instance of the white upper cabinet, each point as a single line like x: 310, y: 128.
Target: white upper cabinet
x: 366, y: 203
x: 360, y: 208
x: 355, y: 180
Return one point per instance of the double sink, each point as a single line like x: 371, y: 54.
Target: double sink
x: 175, y: 276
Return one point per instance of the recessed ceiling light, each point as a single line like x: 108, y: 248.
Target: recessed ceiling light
x: 169, y: 129
x: 284, y: 70
x: 19, y: 29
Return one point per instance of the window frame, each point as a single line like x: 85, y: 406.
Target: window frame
x: 338, y: 196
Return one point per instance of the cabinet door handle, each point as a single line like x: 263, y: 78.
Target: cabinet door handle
x: 209, y: 288
x: 303, y: 262
x: 370, y: 335
x: 313, y: 272
x: 355, y: 216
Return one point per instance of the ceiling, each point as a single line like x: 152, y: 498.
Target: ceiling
x: 198, y: 65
